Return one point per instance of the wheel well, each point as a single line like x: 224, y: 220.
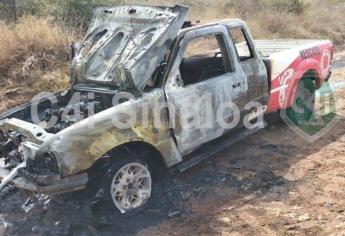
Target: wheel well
x: 141, y: 149
x: 312, y: 74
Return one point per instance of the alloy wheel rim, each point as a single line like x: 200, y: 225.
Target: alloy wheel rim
x: 131, y: 187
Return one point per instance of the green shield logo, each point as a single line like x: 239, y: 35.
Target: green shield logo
x: 313, y: 112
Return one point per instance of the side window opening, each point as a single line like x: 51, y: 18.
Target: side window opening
x: 205, y: 57
x: 240, y: 39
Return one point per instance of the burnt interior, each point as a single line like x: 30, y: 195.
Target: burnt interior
x: 197, y: 69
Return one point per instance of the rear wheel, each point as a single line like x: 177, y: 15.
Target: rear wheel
x: 304, y: 103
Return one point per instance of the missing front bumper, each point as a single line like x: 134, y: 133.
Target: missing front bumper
x: 65, y: 185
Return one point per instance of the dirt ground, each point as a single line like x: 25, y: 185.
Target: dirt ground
x: 273, y: 183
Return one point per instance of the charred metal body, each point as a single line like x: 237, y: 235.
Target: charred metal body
x: 137, y: 52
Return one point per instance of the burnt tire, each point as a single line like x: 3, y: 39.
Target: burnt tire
x: 273, y: 118
x: 304, y: 102
x: 104, y: 210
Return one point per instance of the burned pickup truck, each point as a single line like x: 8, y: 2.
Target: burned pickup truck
x: 151, y: 91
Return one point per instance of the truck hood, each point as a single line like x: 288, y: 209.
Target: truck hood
x: 125, y: 45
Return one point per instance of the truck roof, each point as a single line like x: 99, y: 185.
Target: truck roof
x: 201, y: 24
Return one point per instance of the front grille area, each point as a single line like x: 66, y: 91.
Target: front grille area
x: 44, y: 165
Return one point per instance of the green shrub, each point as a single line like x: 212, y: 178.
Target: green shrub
x: 76, y: 13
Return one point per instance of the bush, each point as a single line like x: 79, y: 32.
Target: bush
x: 290, y: 6
x: 75, y: 13
x: 33, y: 48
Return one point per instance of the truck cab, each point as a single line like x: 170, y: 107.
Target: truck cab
x: 212, y: 66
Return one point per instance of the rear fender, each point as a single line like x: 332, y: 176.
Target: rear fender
x: 309, y: 68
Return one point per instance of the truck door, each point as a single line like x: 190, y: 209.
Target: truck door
x: 202, y: 82
x: 251, y: 64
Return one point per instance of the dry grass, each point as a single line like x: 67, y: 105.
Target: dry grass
x: 273, y: 18
x: 319, y: 18
x: 34, y: 53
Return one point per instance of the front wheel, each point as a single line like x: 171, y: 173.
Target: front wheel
x: 129, y: 187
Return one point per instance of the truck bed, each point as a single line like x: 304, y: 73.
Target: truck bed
x: 287, y: 61
x: 268, y: 47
